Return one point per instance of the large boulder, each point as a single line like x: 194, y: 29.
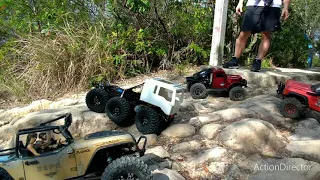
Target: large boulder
x: 308, y: 129
x: 308, y: 150
x: 264, y: 107
x: 251, y: 136
x: 210, y: 131
x: 22, y: 111
x: 186, y: 146
x: 216, y: 153
x: 179, y: 131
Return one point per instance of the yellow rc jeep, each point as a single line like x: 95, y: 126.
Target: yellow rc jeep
x: 108, y: 155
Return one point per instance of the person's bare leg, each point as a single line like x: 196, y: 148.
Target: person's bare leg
x: 241, y: 43
x: 264, y: 45
x: 263, y: 49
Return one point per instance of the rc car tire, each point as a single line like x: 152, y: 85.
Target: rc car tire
x: 237, y: 93
x: 291, y: 108
x: 121, y: 167
x: 119, y: 111
x: 198, y: 91
x: 147, y: 121
x: 166, y: 124
x: 4, y: 175
x: 189, y: 86
x: 97, y: 105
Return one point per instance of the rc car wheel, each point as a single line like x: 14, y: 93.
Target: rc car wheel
x: 291, y: 108
x: 127, y: 167
x: 198, y: 91
x: 96, y: 100
x: 119, y: 111
x: 237, y: 93
x: 4, y: 175
x: 167, y: 123
x: 148, y: 121
x: 189, y: 86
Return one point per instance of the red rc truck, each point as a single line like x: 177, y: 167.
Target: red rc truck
x: 299, y: 99
x: 215, y: 79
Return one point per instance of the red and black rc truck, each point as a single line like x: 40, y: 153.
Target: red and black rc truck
x: 215, y: 79
x: 299, y: 99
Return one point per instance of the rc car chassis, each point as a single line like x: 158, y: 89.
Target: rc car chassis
x: 215, y: 79
x: 299, y: 99
x: 152, y: 108
x: 107, y: 155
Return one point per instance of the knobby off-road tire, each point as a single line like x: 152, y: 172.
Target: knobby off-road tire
x: 120, y: 112
x: 4, y: 175
x: 148, y: 121
x: 189, y: 86
x: 237, y: 93
x: 96, y: 100
x: 123, y: 166
x: 165, y: 124
x: 291, y: 108
x: 198, y: 91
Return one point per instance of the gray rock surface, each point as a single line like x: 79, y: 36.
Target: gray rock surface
x: 209, y: 155
x: 167, y: 174
x: 251, y: 136
x: 158, y: 151
x: 308, y: 149
x: 186, y: 146
x: 210, y: 131
x: 179, y: 131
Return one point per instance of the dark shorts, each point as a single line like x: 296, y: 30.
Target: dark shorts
x: 257, y: 19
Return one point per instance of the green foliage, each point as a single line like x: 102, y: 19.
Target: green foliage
x: 316, y: 61
x: 140, y: 6
x: 265, y: 63
x: 289, y: 47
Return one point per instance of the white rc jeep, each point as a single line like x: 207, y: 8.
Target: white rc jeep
x: 152, y: 109
x: 164, y: 94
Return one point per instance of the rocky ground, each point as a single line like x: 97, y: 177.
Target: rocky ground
x: 214, y: 138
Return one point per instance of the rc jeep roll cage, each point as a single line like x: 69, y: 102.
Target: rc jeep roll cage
x: 20, y: 151
x: 63, y: 129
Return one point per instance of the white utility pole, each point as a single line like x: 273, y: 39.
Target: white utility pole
x: 218, y: 33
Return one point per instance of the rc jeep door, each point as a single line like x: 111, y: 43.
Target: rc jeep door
x: 314, y: 102
x: 163, y: 98
x: 58, y: 164
x: 219, y: 80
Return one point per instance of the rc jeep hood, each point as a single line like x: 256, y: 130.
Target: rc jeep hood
x: 298, y: 85
x: 103, y: 138
x: 234, y: 77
